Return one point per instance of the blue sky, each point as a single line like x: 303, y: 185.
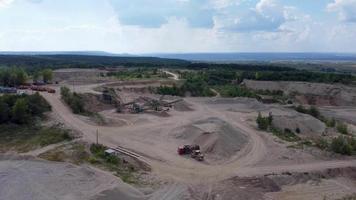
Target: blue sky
x: 163, y: 26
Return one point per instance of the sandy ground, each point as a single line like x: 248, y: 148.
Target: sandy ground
x: 346, y: 114
x: 235, y: 150
x: 41, y: 180
x: 310, y: 93
x: 161, y: 134
x: 174, y: 76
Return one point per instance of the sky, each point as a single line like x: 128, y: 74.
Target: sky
x: 178, y: 26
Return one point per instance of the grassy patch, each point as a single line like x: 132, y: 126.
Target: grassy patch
x: 98, y: 119
x: 79, y: 153
x: 22, y: 138
x: 286, y: 135
x: 348, y: 197
x: 112, y: 163
x: 75, y: 153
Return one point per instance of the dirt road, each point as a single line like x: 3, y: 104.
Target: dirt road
x: 154, y: 142
x: 174, y: 76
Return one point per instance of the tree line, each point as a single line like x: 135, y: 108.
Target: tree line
x: 13, y: 76
x: 73, y: 100
x: 22, y: 109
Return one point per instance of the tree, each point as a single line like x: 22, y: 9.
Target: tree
x: 65, y: 93
x: 36, y: 76
x: 20, y: 112
x: 20, y: 76
x: 47, y: 75
x: 4, y: 112
x: 37, y: 104
x: 262, y: 122
x: 76, y: 104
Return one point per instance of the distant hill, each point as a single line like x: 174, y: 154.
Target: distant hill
x: 83, y: 53
x: 261, y: 57
x: 32, y: 61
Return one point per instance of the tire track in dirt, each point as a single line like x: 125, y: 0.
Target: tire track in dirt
x: 168, y: 164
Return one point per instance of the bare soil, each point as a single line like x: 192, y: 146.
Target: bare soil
x: 319, y: 94
x: 242, y: 161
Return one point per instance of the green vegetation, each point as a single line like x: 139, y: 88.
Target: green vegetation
x: 194, y: 86
x: 22, y: 109
x: 113, y: 163
x: 330, y: 122
x: 24, y: 138
x: 170, y: 90
x: 313, y: 111
x: 75, y: 153
x: 264, y: 123
x: 47, y: 75
x: 12, y: 77
x: 286, y: 135
x: 348, y: 197
x: 236, y: 91
x: 138, y: 73
x: 219, y: 74
x: 342, y: 128
x: 343, y: 145
x: 19, y: 127
x: 322, y: 143
x: 34, y: 63
x: 73, y: 100
x: 80, y: 153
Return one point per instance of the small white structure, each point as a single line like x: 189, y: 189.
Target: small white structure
x: 110, y: 151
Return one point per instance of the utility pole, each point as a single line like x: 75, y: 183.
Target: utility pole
x: 97, y: 136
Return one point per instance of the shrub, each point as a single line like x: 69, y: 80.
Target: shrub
x: 73, y: 100
x: 322, y: 143
x: 37, y: 105
x: 112, y: 159
x: 340, y: 145
x: 331, y: 123
x: 22, y: 109
x: 20, y: 112
x: 97, y: 149
x: 263, y: 122
x: 287, y: 135
x: 342, y: 128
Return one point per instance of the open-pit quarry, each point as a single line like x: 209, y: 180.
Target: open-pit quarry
x: 241, y: 161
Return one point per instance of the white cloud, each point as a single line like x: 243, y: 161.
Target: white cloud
x: 267, y: 15
x: 239, y: 25
x: 4, y: 3
x: 346, y: 9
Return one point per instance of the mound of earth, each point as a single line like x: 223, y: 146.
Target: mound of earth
x: 218, y: 140
x: 93, y: 103
x: 310, y: 93
x: 182, y: 106
x: 308, y: 126
x: 78, y: 76
x: 42, y: 180
x: 331, y: 183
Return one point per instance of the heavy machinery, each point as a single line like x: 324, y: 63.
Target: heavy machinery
x: 193, y: 150
x: 187, y: 149
x: 197, y: 155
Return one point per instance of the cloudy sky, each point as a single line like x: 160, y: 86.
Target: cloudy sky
x: 163, y: 26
